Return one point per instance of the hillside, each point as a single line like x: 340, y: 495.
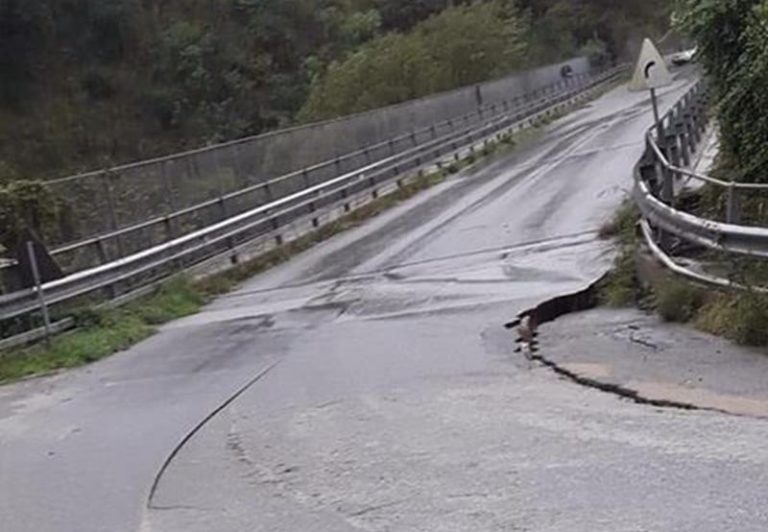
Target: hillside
x: 90, y: 83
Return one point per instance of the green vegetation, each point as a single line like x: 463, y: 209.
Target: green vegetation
x: 622, y: 287
x: 678, y: 301
x: 460, y: 46
x: 732, y: 36
x: 737, y: 315
x: 25, y: 204
x: 103, y: 332
x: 97, y: 82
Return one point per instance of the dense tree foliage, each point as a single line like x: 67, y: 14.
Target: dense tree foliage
x: 616, y: 25
x: 733, y: 46
x: 459, y: 46
x: 85, y: 83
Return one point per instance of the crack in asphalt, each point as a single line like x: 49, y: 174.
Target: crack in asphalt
x: 191, y: 434
x: 625, y: 392
x: 552, y: 309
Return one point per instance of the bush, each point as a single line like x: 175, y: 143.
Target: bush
x: 751, y: 326
x: 460, y: 46
x: 621, y: 286
x: 731, y: 37
x: 740, y: 317
x: 623, y: 224
x: 26, y: 205
x: 678, y: 301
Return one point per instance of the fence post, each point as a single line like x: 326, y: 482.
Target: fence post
x: 168, y: 227
x: 673, y: 150
x: 106, y: 176
x: 39, y: 289
x: 167, y: 185
x: 682, y: 139
x: 222, y: 207
x: 733, y: 207
x: 102, y: 251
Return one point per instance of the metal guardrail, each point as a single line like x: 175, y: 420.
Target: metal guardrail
x: 668, y: 151
x: 223, y: 237
x: 124, y: 241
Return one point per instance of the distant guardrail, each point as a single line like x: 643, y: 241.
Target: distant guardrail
x: 122, y: 241
x: 289, y: 198
x: 658, y: 176
x: 117, y: 197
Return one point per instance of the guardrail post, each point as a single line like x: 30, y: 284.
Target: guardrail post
x: 106, y: 177
x: 688, y: 124
x: 168, y: 227
x: 222, y: 207
x: 733, y: 206
x: 167, y: 185
x: 305, y: 174
x: 667, y: 184
x: 649, y: 174
x: 344, y: 196
x: 312, y: 209
x: 698, y: 121
x: 682, y: 142
x: 673, y: 150
x: 237, y: 164
x: 39, y: 289
x: 101, y: 250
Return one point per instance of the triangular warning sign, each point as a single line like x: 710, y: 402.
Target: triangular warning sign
x: 651, y: 71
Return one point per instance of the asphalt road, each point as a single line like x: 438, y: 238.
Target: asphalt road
x: 369, y: 384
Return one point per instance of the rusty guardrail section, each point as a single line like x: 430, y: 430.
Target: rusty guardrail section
x: 300, y: 199
x: 658, y: 176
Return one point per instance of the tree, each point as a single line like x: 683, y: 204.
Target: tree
x: 22, y: 38
x: 460, y: 46
x: 732, y: 36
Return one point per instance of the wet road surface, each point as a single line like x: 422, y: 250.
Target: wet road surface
x: 369, y: 384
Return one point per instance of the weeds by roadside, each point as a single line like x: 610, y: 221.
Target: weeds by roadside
x: 103, y: 332
x: 741, y: 316
x: 622, y: 288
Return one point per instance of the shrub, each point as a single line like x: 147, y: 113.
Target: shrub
x: 678, y: 301
x: 751, y: 320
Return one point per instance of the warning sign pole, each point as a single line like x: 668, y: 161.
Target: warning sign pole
x: 656, y: 118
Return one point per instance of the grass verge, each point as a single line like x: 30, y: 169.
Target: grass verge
x: 740, y: 316
x: 622, y: 286
x: 101, y: 333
